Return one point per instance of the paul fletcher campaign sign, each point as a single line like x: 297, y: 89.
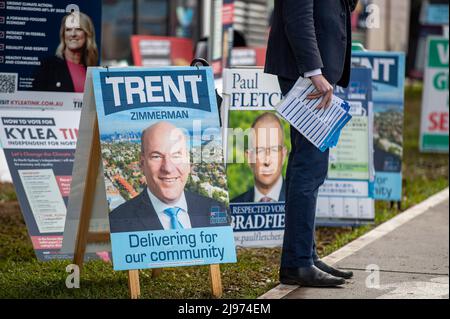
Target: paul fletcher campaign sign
x: 164, y: 176
x: 257, y: 146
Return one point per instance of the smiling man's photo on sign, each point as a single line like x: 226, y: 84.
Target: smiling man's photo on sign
x: 164, y: 203
x: 163, y: 167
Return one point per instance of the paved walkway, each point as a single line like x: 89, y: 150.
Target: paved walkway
x: 406, y: 257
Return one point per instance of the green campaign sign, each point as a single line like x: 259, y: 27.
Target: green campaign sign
x: 438, y: 53
x: 435, y: 121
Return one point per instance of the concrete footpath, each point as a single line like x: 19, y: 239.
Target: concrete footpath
x: 404, y: 258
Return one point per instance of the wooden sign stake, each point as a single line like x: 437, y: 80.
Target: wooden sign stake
x: 156, y: 272
x: 216, y: 281
x: 133, y: 284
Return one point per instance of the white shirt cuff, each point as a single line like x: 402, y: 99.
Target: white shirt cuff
x: 312, y: 73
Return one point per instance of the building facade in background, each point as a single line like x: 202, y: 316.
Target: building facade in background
x: 123, y: 18
x: 179, y: 18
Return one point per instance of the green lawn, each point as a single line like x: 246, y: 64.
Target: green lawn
x: 22, y: 276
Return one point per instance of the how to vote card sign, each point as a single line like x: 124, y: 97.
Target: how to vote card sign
x: 353, y: 157
x: 388, y: 80
x: 39, y: 147
x: 435, y: 122
x: 163, y: 167
x: 347, y: 194
x: 257, y: 151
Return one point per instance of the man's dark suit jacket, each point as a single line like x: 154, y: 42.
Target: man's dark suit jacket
x: 138, y: 213
x: 308, y: 35
x: 249, y: 196
x: 53, y: 75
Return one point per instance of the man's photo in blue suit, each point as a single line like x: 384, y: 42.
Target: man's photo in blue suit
x: 165, y: 203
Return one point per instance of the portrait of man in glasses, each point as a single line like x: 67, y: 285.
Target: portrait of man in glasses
x: 265, y: 155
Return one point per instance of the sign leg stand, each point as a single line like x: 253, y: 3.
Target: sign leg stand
x: 88, y: 198
x: 216, y: 281
x: 133, y: 284
x: 156, y: 272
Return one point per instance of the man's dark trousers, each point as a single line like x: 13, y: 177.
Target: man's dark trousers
x: 306, y: 171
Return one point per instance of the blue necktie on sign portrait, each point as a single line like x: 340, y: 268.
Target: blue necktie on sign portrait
x: 173, y: 214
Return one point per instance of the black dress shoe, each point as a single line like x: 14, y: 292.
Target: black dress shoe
x: 332, y: 271
x: 309, y: 277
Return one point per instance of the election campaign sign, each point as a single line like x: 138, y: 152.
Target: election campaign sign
x: 434, y: 122
x: 157, y: 51
x: 258, y: 146
x: 258, y: 143
x: 35, y: 47
x: 39, y: 147
x: 164, y: 180
x: 388, y: 79
x: 346, y: 198
x: 246, y: 56
x: 40, y: 101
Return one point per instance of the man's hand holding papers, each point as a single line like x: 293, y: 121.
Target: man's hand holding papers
x: 320, y: 125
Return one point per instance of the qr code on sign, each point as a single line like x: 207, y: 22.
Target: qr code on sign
x: 8, y: 82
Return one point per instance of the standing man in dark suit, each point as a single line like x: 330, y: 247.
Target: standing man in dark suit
x: 312, y: 39
x: 164, y: 203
